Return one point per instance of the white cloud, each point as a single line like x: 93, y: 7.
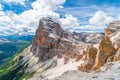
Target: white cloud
x: 30, y: 23
x: 27, y: 22
x: 100, y: 18
x: 92, y: 27
x: 16, y: 1
x: 47, y: 5
x: 89, y: 28
x: 69, y: 21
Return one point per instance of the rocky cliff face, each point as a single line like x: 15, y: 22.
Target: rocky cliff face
x: 51, y: 40
x: 55, y: 51
x: 105, y: 53
x: 89, y: 59
x: 113, y: 27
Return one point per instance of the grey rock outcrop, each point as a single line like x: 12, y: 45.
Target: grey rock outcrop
x: 50, y: 40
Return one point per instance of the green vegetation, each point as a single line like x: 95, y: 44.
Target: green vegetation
x: 26, y: 76
x: 9, y: 49
x: 12, y: 68
x: 11, y: 53
x: 7, y: 67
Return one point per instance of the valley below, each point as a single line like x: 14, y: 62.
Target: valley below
x: 10, y: 48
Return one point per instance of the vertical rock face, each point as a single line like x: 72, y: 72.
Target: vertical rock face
x: 113, y: 27
x: 105, y: 52
x: 50, y: 40
x: 89, y: 59
x: 107, y: 31
x: 117, y: 55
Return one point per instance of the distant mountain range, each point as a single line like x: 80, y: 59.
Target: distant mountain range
x: 17, y: 37
x: 11, y: 45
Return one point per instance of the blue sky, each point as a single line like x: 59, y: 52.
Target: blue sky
x: 87, y: 15
x: 75, y: 4
x: 84, y: 3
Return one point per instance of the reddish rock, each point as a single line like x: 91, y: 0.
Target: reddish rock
x: 78, y: 57
x: 66, y: 60
x: 50, y: 40
x: 89, y: 59
x: 59, y: 56
x: 107, y: 31
x: 117, y: 55
x: 105, y: 53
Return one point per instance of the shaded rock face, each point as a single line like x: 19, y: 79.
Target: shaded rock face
x: 94, y: 58
x: 117, y: 55
x: 89, y: 59
x: 50, y: 40
x: 105, y: 53
x: 113, y: 27
x: 107, y: 31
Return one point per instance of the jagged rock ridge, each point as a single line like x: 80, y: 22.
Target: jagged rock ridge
x: 51, y: 40
x: 55, y: 51
x: 107, y: 52
x: 48, y: 42
x: 92, y: 38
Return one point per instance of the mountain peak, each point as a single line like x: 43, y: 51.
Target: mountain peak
x: 48, y: 39
x: 47, y: 21
x: 55, y: 51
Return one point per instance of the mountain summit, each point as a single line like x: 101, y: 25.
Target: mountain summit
x: 56, y: 53
x: 48, y: 40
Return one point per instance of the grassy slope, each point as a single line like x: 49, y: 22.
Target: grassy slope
x: 9, y: 49
x: 8, y: 70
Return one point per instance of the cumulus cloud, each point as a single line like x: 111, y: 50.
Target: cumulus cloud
x: 69, y: 21
x: 100, y: 18
x: 24, y: 23
x: 89, y: 28
x: 47, y: 5
x: 27, y: 21
x: 6, y: 23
